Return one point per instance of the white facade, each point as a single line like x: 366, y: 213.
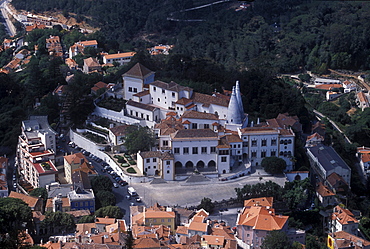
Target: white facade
x: 142, y: 111
x: 121, y: 58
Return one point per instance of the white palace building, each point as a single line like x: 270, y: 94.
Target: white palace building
x: 197, y: 131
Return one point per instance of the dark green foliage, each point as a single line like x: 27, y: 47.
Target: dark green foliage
x: 110, y: 211
x: 276, y: 240
x: 104, y: 198
x: 131, y: 170
x: 101, y: 183
x: 13, y: 213
x: 206, y: 204
x: 315, y: 243
x: 273, y: 165
x: 139, y: 139
x: 56, y: 222
x: 297, y: 193
x: 258, y: 190
x: 87, y: 219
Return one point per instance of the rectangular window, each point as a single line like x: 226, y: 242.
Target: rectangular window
x: 245, y: 144
x: 204, y: 150
x: 163, y: 91
x: 162, y: 220
x: 263, y: 154
x: 213, y: 149
x: 169, y: 220
x: 264, y: 142
x: 254, y: 154
x: 154, y: 89
x: 168, y: 162
x: 206, y: 126
x: 176, y: 150
x: 195, y: 150
x: 165, y: 143
x: 130, y: 89
x: 223, y: 152
x: 135, y: 90
x: 273, y: 142
x: 186, y: 150
x: 148, y: 160
x: 223, y: 159
x: 194, y: 126
x: 154, y: 160
x: 273, y: 153
x: 254, y: 143
x: 173, y: 94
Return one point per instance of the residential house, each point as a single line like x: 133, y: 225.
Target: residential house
x: 79, y: 47
x: 337, y: 184
x: 36, y: 152
x: 117, y: 134
x: 102, y: 223
x: 363, y: 154
x: 58, y: 203
x: 54, y: 46
x: 331, y: 95
x: 160, y: 49
x: 256, y: 220
x: 324, y: 161
x: 35, y: 203
x: 71, y: 63
x: 343, y: 219
x: 325, y: 195
x: 76, y: 162
x: 7, y: 43
x: 362, y: 100
x: 349, y: 86
x: 345, y: 240
x: 120, y: 58
x: 314, y: 139
x: 155, y: 215
x: 98, y: 86
x: 35, y: 25
x: 91, y: 65
x: 319, y: 128
x: 82, y: 199
x: 284, y: 120
x: 154, y: 163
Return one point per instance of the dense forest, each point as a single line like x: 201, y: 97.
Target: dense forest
x: 289, y: 35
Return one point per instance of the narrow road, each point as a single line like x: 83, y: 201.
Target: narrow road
x: 8, y: 24
x: 320, y: 116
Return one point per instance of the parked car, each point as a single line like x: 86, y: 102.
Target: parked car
x: 115, y: 185
x: 123, y: 183
x: 138, y: 199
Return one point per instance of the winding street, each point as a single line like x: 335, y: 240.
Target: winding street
x: 8, y: 24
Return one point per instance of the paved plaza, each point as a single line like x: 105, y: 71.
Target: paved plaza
x: 191, y: 192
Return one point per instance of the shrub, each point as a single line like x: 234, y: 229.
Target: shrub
x: 131, y: 170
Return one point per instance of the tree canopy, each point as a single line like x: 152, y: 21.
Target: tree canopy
x: 273, y: 165
x: 101, y: 183
x: 110, y: 211
x: 276, y: 240
x: 58, y: 222
x: 206, y: 204
x: 139, y: 138
x: 13, y: 214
